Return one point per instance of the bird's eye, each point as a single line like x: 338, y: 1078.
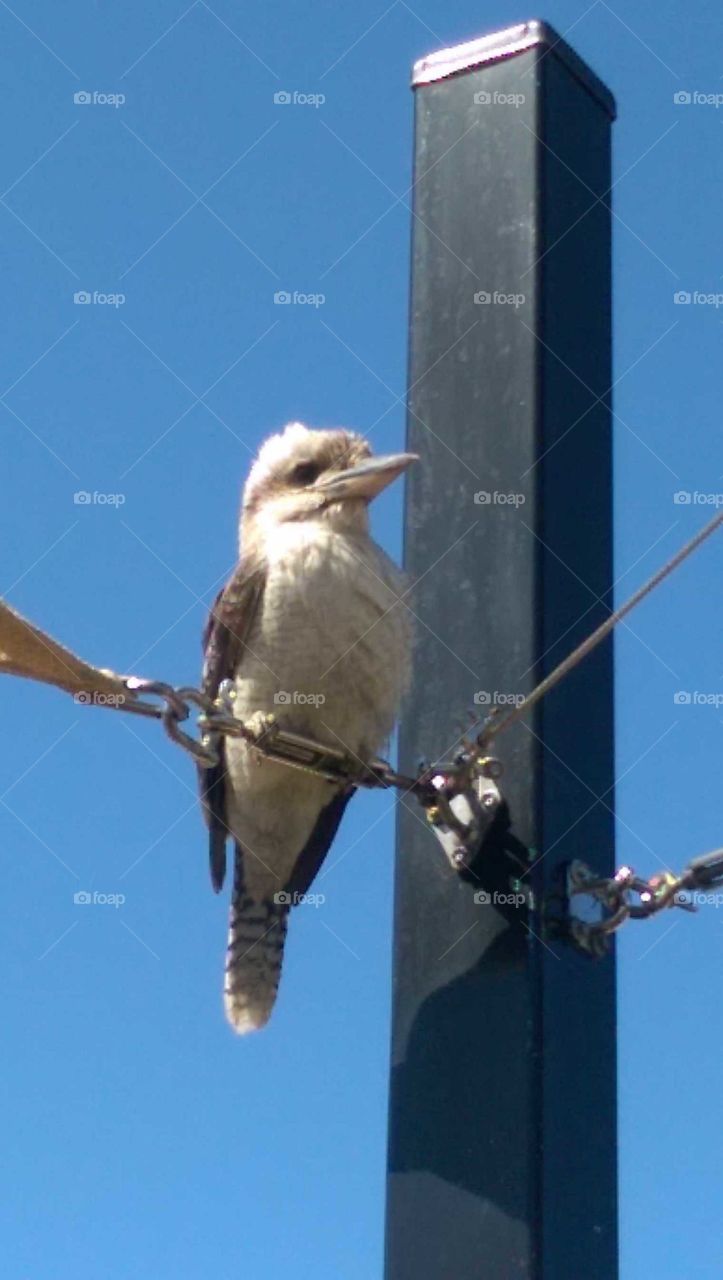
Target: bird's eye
x: 305, y: 473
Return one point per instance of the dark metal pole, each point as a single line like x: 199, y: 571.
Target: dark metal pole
x: 502, y: 1148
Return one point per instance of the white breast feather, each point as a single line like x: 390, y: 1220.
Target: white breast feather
x: 330, y: 631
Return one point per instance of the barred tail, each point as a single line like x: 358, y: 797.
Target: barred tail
x: 253, y: 959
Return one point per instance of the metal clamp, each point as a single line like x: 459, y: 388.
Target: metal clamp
x: 611, y: 901
x: 466, y: 800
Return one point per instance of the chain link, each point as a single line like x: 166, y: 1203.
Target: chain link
x: 626, y: 896
x: 461, y: 801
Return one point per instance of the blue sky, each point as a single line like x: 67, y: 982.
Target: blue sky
x: 146, y: 1141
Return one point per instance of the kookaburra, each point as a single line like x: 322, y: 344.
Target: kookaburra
x: 309, y: 628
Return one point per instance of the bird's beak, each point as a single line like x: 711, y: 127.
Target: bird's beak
x: 366, y: 480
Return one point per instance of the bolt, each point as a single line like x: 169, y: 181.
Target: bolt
x: 489, y: 799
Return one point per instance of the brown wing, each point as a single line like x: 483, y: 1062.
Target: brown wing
x: 224, y: 641
x: 317, y: 846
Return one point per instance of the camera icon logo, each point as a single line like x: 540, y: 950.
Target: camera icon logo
x: 483, y: 498
x: 81, y: 498
x: 82, y: 98
x: 682, y: 498
x: 282, y: 98
x: 82, y: 898
x: 282, y: 298
x: 283, y: 899
x: 282, y: 698
x: 482, y: 698
x: 482, y: 298
x: 482, y: 898
x: 682, y: 298
x: 81, y: 298
x: 483, y: 99
x: 682, y: 98
x: 682, y: 698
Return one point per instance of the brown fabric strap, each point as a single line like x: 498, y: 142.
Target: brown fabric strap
x: 27, y: 651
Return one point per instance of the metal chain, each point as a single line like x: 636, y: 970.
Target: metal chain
x: 625, y: 896
x: 216, y: 719
x: 461, y: 799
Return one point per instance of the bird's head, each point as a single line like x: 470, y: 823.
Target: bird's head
x: 301, y: 474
